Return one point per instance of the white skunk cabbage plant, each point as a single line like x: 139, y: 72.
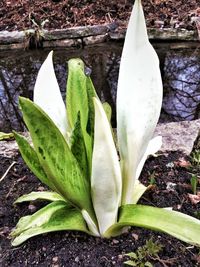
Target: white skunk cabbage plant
x: 92, y: 189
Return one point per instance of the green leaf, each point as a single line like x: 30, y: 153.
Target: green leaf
x: 148, y: 264
x: 130, y: 263
x: 194, y: 182
x: 139, y: 98
x: 56, y: 216
x: 106, y: 180
x: 6, y: 136
x: 78, y: 148
x: 131, y: 255
x: 91, y: 93
x: 80, y: 91
x: 179, y: 225
x: 57, y: 160
x: 77, y: 99
x: 43, y: 195
x: 30, y: 157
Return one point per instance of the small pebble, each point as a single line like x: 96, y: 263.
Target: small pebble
x: 41, y: 188
x: 171, y: 186
x: 32, y: 208
x: 115, y: 241
x: 55, y: 259
x: 120, y: 257
x: 135, y: 236
x: 76, y: 259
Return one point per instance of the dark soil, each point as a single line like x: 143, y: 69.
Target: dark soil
x: 19, y: 14
x: 78, y: 249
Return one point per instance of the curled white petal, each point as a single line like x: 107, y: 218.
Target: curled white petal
x: 48, y: 97
x: 91, y: 225
x: 106, y: 183
x: 153, y: 147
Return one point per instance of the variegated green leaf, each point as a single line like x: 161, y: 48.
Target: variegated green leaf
x: 57, y: 160
x: 79, y: 93
x: 139, y: 98
x: 179, y: 225
x: 78, y: 148
x: 106, y: 180
x: 43, y: 195
x: 30, y: 157
x: 48, y: 97
x: 57, y: 216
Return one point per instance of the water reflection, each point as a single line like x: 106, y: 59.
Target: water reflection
x: 182, y: 84
x: 180, y: 69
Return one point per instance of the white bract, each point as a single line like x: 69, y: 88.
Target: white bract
x: 139, y: 98
x: 94, y: 189
x: 47, y: 95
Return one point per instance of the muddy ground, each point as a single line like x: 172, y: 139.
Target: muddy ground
x: 23, y: 14
x: 78, y: 249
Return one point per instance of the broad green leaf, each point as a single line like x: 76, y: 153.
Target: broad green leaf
x: 6, y: 136
x: 48, y: 97
x: 43, y: 195
x: 179, y: 225
x: 106, y: 174
x: 77, y: 101
x: 139, y: 98
x: 56, y: 216
x: 57, y: 160
x: 78, y: 148
x: 30, y: 157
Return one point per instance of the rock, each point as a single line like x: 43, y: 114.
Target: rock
x: 95, y: 39
x: 178, y: 136
x: 77, y: 32
x: 95, y: 34
x: 7, y: 37
x: 161, y: 34
x: 8, y: 149
x: 63, y: 43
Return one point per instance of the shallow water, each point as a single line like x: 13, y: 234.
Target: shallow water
x: 180, y: 70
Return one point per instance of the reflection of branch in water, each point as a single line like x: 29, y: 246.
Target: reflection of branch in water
x: 100, y: 76
x: 10, y: 99
x: 182, y: 76
x: 5, y: 115
x: 187, y: 82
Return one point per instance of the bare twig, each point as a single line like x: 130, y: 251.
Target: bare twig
x: 7, y: 171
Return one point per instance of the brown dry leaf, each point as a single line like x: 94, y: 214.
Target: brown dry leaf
x: 195, y: 199
x: 182, y: 163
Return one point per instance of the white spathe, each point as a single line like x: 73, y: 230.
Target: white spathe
x: 139, y: 98
x: 106, y: 181
x: 48, y: 97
